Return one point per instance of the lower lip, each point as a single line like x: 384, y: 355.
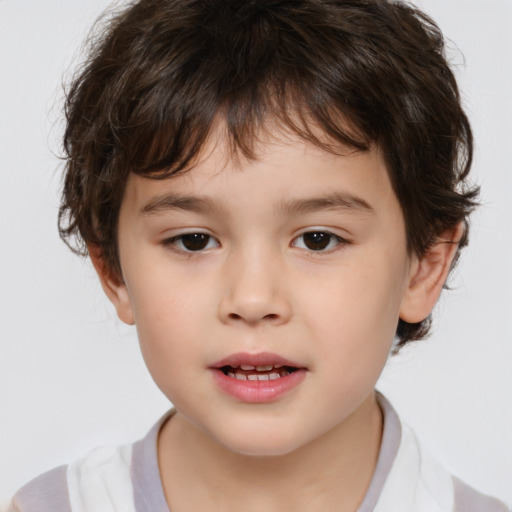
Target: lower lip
x: 258, y: 391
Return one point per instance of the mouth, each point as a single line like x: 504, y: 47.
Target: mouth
x: 257, y: 373
x: 257, y: 378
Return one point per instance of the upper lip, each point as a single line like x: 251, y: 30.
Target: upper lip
x: 260, y: 359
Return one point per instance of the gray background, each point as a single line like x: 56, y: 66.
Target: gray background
x: 71, y: 376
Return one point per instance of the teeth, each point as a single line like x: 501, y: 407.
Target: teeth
x: 248, y: 367
x: 264, y: 368
x: 257, y: 376
x: 264, y: 372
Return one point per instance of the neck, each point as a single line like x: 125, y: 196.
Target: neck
x: 332, y: 472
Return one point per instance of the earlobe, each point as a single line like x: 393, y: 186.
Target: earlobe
x: 427, y: 276
x: 113, y: 286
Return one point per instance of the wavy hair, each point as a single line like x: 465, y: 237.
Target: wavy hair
x: 370, y: 72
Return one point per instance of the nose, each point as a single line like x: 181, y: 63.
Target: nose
x: 255, y: 289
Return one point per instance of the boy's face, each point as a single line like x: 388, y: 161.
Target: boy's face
x: 296, y: 259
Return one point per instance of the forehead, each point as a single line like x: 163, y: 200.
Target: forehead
x: 280, y: 166
x: 288, y: 181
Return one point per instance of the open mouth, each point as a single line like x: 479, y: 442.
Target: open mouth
x: 257, y: 373
x: 257, y: 378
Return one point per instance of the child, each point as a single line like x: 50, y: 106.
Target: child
x: 274, y: 193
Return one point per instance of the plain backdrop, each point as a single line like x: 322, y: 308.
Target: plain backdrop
x: 71, y: 375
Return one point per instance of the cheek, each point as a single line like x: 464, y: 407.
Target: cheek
x: 168, y: 346
x: 162, y: 297
x: 356, y: 312
x: 168, y: 317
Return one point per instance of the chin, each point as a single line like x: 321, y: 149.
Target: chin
x: 262, y: 449
x: 263, y: 443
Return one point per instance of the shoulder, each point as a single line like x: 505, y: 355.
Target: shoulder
x: 110, y: 479
x: 417, y: 481
x: 468, y: 499
x: 448, y: 492
x: 46, y: 493
x: 102, y: 477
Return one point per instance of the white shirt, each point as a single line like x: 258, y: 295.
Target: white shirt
x: 126, y: 479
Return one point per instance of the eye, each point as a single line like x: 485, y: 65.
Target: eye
x: 192, y: 242
x: 317, y: 241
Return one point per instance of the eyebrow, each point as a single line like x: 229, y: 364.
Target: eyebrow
x: 335, y: 201
x: 201, y: 204
x: 197, y: 204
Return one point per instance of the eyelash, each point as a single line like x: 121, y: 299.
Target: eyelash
x: 177, y: 240
x: 331, y: 237
x: 333, y: 242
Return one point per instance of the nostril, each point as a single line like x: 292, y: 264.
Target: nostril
x: 253, y: 310
x: 269, y: 317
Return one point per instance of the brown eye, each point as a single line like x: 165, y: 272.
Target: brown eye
x: 317, y: 240
x: 192, y: 242
x: 195, y: 241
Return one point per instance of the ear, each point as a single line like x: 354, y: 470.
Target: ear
x: 428, y: 275
x: 112, y: 285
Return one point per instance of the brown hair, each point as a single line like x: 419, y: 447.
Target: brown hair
x: 162, y: 71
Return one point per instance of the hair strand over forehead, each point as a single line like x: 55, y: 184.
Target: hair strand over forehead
x: 337, y: 73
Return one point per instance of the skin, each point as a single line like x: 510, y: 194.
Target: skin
x: 257, y: 286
